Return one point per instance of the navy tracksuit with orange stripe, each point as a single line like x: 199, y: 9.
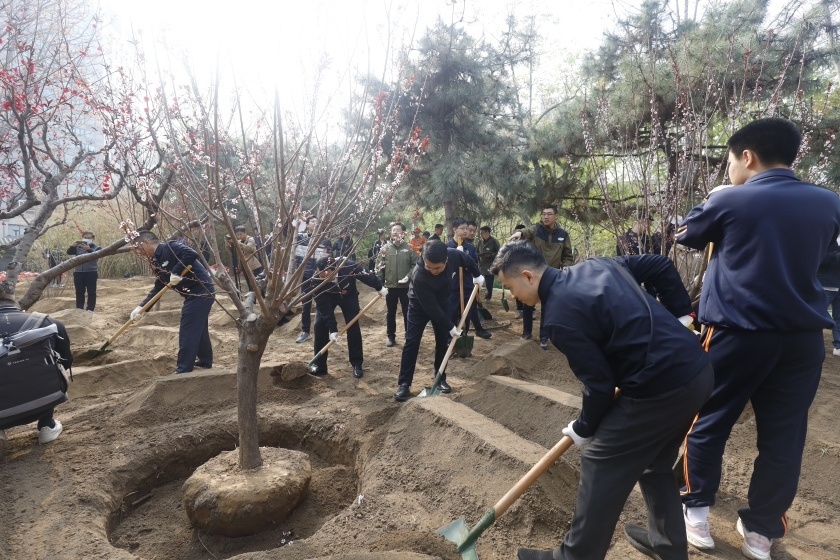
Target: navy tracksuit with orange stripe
x: 765, y: 310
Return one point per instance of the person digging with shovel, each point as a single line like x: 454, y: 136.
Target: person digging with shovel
x: 615, y: 335
x: 339, y: 291
x: 428, y: 300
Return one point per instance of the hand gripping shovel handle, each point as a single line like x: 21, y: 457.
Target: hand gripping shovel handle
x: 145, y: 308
x: 516, y: 492
x: 344, y: 330
x: 463, y: 320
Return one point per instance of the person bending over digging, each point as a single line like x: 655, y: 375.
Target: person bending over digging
x: 168, y: 260
x: 428, y: 297
x: 339, y: 291
x: 617, y: 336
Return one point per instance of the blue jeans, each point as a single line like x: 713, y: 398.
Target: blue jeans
x: 833, y: 298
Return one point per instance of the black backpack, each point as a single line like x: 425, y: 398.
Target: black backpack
x: 31, y: 379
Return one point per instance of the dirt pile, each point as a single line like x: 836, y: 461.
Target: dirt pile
x: 384, y: 477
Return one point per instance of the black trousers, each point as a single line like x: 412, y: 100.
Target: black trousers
x: 488, y: 285
x: 256, y: 272
x: 396, y: 295
x: 528, y: 321
x: 306, y: 307
x: 194, y: 335
x: 417, y: 321
x: 778, y: 373
x: 85, y: 283
x: 637, y: 441
x: 349, y: 309
x: 455, y: 310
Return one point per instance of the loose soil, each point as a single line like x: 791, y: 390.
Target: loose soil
x: 384, y: 475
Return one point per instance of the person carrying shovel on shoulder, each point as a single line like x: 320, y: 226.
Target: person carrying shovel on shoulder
x: 428, y: 300
x: 616, y: 336
x: 339, y: 291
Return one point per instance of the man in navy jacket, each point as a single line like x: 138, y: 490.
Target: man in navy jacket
x: 168, y: 260
x: 615, y: 335
x: 764, y: 310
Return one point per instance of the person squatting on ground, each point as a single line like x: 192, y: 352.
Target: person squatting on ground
x: 555, y: 245
x: 829, y: 277
x: 461, y: 242
x: 339, y: 291
x: 248, y: 246
x: 487, y: 248
x: 395, y: 263
x: 12, y: 320
x: 301, y: 250
x: 428, y: 300
x: 764, y: 311
x: 616, y: 336
x: 85, y: 275
x: 168, y: 260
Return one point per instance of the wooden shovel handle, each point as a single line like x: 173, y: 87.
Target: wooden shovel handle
x: 531, y: 476
x: 460, y: 326
x: 350, y: 324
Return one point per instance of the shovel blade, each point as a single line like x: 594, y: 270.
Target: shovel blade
x: 464, y: 346
x: 456, y: 532
x: 505, y: 305
x: 429, y: 392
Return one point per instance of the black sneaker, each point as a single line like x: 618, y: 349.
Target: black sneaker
x: 444, y: 387
x: 357, y: 372
x: 526, y: 336
x: 483, y: 333
x: 202, y: 365
x: 640, y: 540
x: 391, y: 342
x: 402, y: 393
x: 302, y: 337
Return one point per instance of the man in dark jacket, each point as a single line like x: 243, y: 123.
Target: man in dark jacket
x: 616, y: 336
x: 428, y: 300
x: 168, y: 260
x: 487, y: 248
x: 339, y: 291
x: 764, y: 312
x: 11, y: 321
x: 461, y: 241
x: 85, y: 275
x: 301, y: 251
x: 829, y: 277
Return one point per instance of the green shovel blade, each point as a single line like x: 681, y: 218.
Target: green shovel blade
x: 456, y: 532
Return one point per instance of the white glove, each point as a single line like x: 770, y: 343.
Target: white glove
x: 460, y: 248
x: 135, y: 314
x: 174, y: 279
x: 687, y: 321
x: 404, y: 280
x: 455, y: 331
x: 478, y: 280
x: 383, y: 292
x: 333, y: 336
x: 579, y: 441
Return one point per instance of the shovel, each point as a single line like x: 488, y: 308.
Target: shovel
x: 435, y: 388
x: 505, y: 305
x: 465, y: 342
x: 464, y: 537
x: 90, y: 354
x: 344, y: 330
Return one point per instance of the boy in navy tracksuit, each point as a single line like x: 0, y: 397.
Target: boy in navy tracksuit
x: 765, y: 311
x: 340, y: 291
x: 168, y: 260
x: 428, y: 300
x: 615, y: 335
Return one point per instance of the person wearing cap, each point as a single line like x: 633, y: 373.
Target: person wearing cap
x: 396, y: 261
x: 428, y: 301
x: 335, y: 286
x: 417, y: 241
x: 248, y: 246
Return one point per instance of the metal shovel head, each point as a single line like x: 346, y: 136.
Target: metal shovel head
x: 92, y: 353
x: 456, y: 532
x: 464, y: 346
x: 429, y: 392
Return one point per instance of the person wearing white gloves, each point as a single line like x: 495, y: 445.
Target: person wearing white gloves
x: 394, y: 264
x: 168, y: 260
x: 615, y: 335
x: 461, y: 241
x: 428, y: 300
x: 335, y: 286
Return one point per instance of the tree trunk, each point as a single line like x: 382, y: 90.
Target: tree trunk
x: 7, y: 286
x: 252, y: 342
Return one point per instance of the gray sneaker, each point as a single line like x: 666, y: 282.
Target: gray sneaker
x: 3, y: 435
x: 698, y: 534
x: 46, y: 435
x: 302, y: 337
x: 755, y: 546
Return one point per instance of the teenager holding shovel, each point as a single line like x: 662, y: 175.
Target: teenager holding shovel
x: 616, y: 336
x: 339, y: 291
x: 428, y: 300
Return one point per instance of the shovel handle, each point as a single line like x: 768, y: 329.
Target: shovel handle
x: 347, y: 326
x: 454, y: 340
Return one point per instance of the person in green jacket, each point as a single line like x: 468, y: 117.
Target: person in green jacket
x: 395, y: 263
x: 487, y: 247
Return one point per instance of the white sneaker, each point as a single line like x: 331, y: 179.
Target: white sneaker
x: 836, y: 351
x: 46, y: 435
x: 698, y: 533
x: 755, y: 546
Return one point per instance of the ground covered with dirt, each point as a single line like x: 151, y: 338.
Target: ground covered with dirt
x: 385, y: 475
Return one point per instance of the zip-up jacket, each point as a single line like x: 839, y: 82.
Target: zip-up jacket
x: 90, y: 266
x: 431, y: 293
x: 342, y: 286
x: 173, y: 257
x: 829, y: 272
x: 398, y: 261
x: 554, y: 244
